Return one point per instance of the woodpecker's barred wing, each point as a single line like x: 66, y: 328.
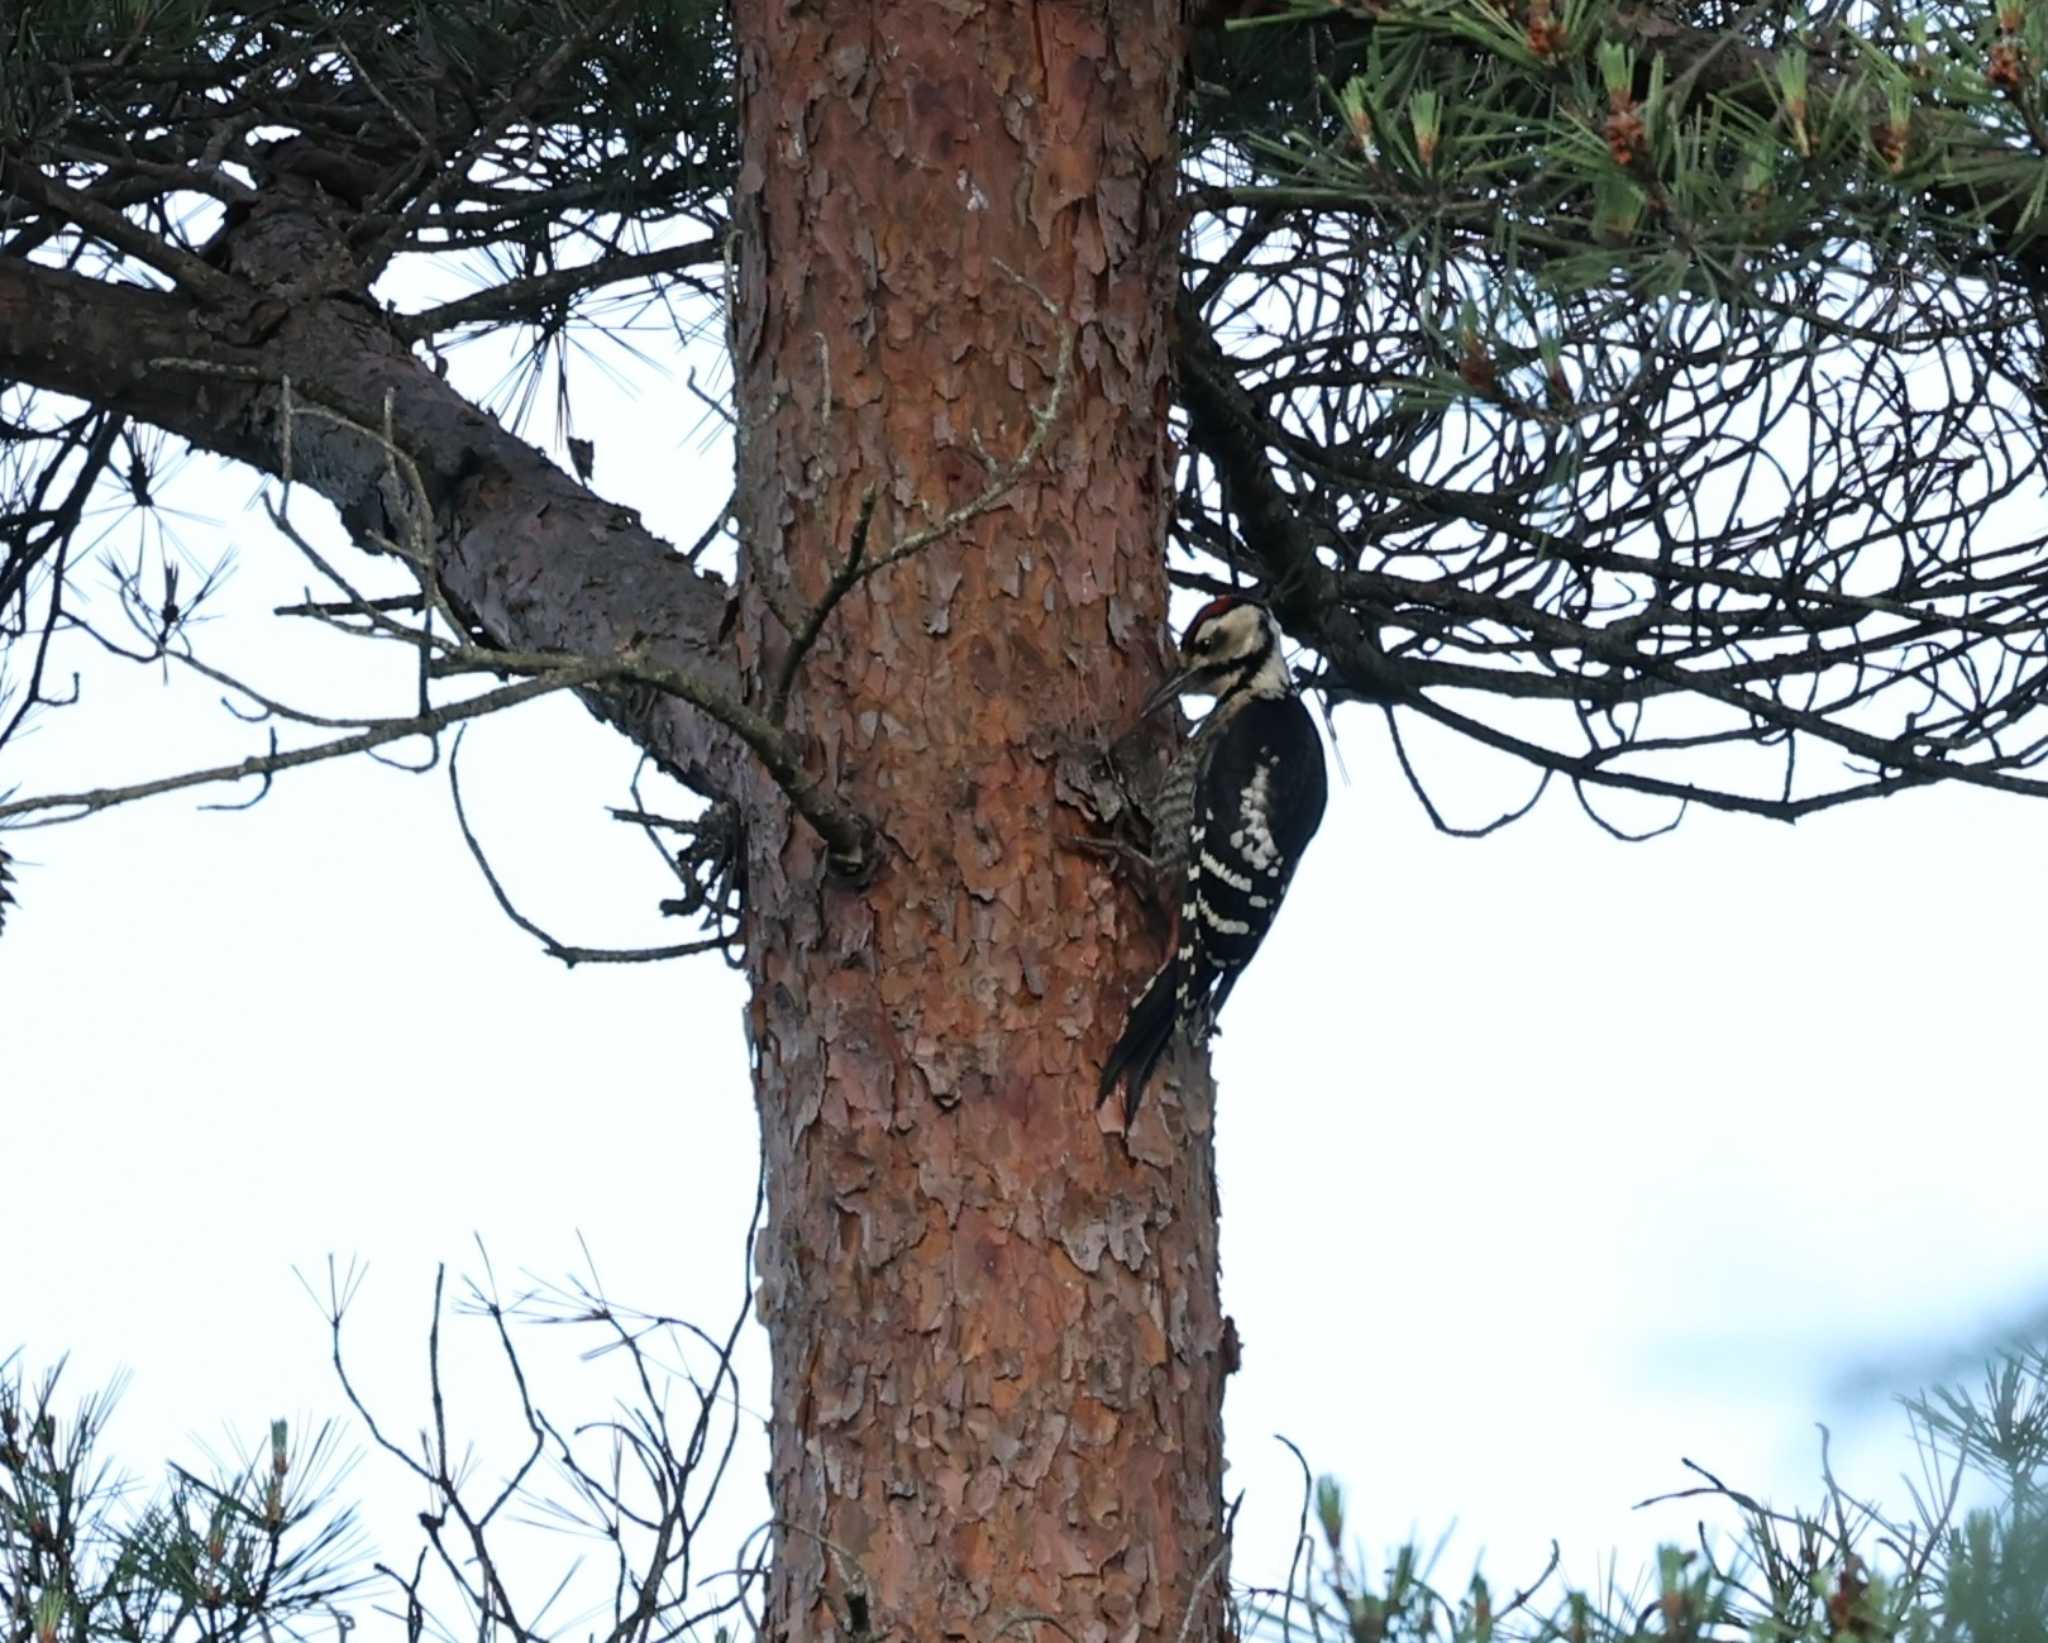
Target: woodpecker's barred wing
x: 1173, y: 816
x: 1258, y: 803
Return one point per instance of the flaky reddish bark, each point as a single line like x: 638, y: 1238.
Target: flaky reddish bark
x: 997, y: 1344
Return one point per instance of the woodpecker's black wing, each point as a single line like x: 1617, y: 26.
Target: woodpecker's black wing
x: 1258, y: 803
x: 1259, y: 798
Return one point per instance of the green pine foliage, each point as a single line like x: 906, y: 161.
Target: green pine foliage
x: 1967, y: 1563
x: 243, y: 1551
x: 1509, y: 130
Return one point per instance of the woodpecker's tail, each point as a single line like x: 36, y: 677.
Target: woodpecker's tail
x: 1146, y: 1035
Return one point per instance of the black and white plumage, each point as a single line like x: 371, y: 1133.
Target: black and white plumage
x: 1255, y: 771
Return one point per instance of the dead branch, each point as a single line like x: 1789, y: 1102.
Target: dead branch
x: 843, y: 579
x: 569, y: 955
x: 380, y: 733
x: 638, y: 1480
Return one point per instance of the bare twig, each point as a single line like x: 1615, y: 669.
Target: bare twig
x: 380, y: 733
x: 1302, y: 1542
x: 519, y: 296
x: 1004, y: 480
x: 1522, y: 1597
x: 1208, y: 1573
x: 569, y: 955
x: 323, y: 609
x: 856, y: 568
x: 709, y: 534
x: 1429, y: 805
x: 848, y: 573
x: 639, y: 1480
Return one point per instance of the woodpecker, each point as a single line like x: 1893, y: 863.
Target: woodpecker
x: 1254, y: 768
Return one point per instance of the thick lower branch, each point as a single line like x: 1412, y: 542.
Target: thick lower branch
x: 537, y: 561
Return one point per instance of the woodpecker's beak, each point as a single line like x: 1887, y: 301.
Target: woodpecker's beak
x: 1170, y: 691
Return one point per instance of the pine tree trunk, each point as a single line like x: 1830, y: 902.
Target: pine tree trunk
x: 998, y: 1351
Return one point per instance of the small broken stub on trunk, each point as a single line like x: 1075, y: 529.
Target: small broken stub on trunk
x: 854, y: 864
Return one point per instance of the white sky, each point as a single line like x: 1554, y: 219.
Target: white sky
x: 1545, y: 1160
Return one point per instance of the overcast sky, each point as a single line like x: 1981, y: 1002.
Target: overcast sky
x: 1546, y: 1160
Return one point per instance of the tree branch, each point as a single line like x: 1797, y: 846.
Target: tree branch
x: 109, y: 226
x: 379, y: 733
x: 550, y: 571
x: 516, y: 297
x: 571, y: 956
